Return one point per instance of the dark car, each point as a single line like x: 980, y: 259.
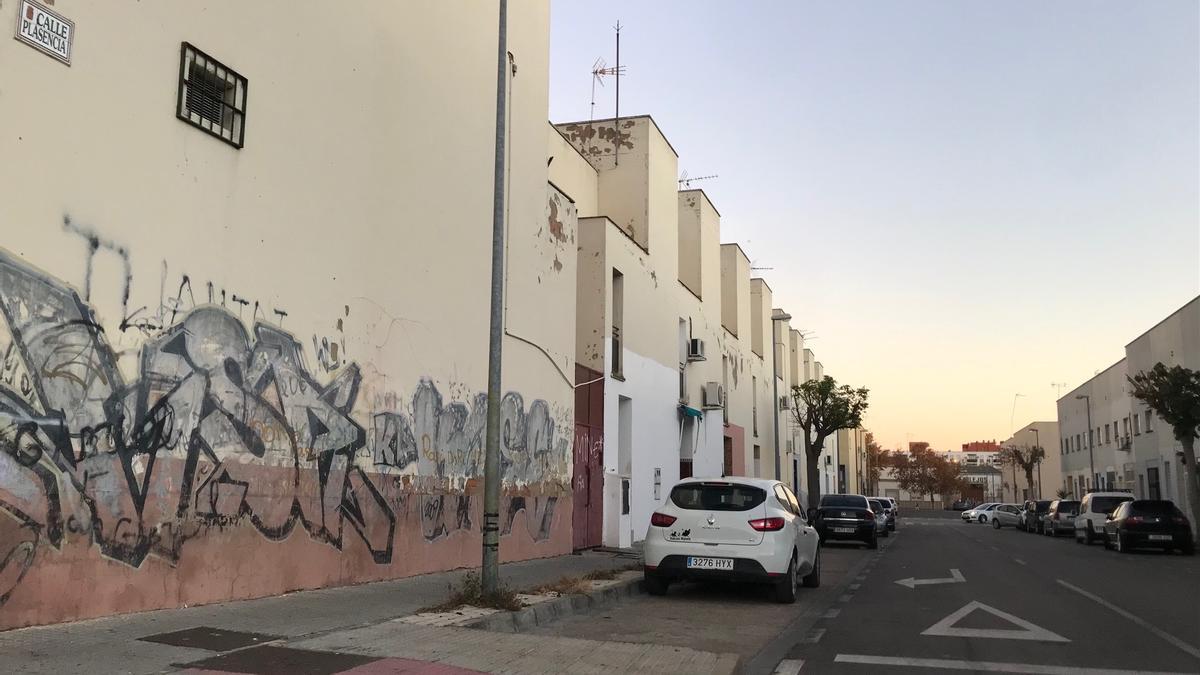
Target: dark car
x: 845, y: 517
x: 1154, y: 523
x: 1060, y: 517
x: 1032, y: 514
x: 962, y: 505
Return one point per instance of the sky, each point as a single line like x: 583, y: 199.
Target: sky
x: 962, y: 201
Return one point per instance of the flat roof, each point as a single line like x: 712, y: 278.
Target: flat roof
x: 739, y: 248
x: 703, y: 194
x: 1165, y: 319
x: 624, y: 117
x: 1090, y: 379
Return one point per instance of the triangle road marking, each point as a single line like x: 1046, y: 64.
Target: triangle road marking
x: 1025, y: 631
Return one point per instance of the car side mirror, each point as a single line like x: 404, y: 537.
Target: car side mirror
x: 812, y: 513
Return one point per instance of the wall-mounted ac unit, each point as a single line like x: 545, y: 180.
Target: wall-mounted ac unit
x: 785, y: 403
x: 695, y: 350
x: 714, y: 396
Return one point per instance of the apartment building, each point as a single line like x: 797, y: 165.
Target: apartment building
x: 1131, y: 447
x: 684, y: 357
x: 1047, y: 477
x: 974, y: 457
x: 245, y: 338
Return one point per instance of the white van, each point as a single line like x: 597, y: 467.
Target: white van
x: 1094, y: 511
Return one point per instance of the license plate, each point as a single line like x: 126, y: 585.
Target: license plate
x: 710, y: 563
x: 843, y: 530
x: 1160, y: 537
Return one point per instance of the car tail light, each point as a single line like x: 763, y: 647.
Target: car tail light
x: 662, y: 520
x: 767, y: 524
x: 868, y: 515
x: 1133, y: 520
x: 1180, y: 520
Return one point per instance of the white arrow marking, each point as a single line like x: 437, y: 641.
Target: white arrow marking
x: 956, y: 577
x: 1025, y: 631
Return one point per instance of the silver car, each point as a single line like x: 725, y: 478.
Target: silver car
x: 881, y: 517
x: 1006, y: 514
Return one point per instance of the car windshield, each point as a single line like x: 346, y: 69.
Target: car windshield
x: 1043, y: 507
x: 1107, y: 504
x: 717, y: 496
x: 844, y: 501
x: 1154, y: 507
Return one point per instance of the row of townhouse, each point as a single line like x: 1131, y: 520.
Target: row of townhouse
x: 1110, y: 440
x: 1047, y: 475
x: 244, y: 338
x: 684, y: 365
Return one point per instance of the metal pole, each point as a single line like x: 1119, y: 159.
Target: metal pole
x: 491, y: 467
x: 775, y: 395
x: 1037, y: 441
x: 1091, y: 458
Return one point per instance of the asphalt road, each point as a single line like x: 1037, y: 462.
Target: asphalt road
x: 1029, y: 602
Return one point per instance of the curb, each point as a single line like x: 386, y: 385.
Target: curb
x: 552, y: 610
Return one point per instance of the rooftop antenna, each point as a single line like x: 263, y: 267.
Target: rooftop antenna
x: 617, y: 112
x: 1058, y: 388
x: 600, y: 70
x: 685, y: 182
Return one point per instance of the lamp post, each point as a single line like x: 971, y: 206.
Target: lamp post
x: 775, y: 375
x: 1091, y: 457
x: 1037, y: 440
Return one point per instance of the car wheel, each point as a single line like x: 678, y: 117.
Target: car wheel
x: 1122, y: 547
x: 655, y: 585
x: 873, y: 542
x: 785, y: 588
x: 1107, y: 542
x: 1078, y: 536
x: 813, y: 578
x: 886, y: 533
x: 995, y: 524
x: 1088, y: 535
x: 982, y: 518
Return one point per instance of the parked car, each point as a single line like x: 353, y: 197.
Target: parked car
x: 1149, y: 522
x: 979, y: 514
x: 962, y: 505
x: 1005, y: 514
x: 892, y: 510
x: 1060, y: 517
x: 882, y: 527
x: 846, y: 517
x: 1032, y: 513
x: 741, y: 529
x: 1093, y: 513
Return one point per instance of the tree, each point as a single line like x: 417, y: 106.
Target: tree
x: 877, y: 460
x: 1062, y: 493
x: 1174, y: 395
x: 820, y: 408
x: 949, y: 478
x: 919, y: 472
x: 1026, y: 460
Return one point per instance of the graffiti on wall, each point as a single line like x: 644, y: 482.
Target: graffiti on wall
x: 222, y: 427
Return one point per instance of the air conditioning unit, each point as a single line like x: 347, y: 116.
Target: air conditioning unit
x: 695, y: 350
x: 714, y: 395
x: 785, y: 403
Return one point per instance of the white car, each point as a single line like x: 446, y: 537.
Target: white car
x: 980, y: 513
x: 741, y: 529
x: 1005, y: 514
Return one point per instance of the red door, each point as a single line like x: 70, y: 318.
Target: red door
x: 587, y: 470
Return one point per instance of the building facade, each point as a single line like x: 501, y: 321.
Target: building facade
x: 1131, y: 447
x: 1047, y: 477
x: 245, y: 346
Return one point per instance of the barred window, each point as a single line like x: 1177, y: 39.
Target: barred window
x: 212, y: 97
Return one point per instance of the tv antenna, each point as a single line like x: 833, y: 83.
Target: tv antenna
x: 1058, y: 388
x: 601, y: 70
x: 685, y: 182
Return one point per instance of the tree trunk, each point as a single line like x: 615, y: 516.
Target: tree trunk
x: 1029, y: 481
x: 812, y: 457
x: 1192, y: 481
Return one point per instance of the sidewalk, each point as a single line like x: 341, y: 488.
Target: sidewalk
x: 337, y: 630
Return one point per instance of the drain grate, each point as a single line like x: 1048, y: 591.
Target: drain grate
x: 212, y: 639
x: 272, y: 660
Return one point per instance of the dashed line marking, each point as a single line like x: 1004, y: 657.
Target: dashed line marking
x: 788, y: 667
x: 813, y: 636
x: 1018, y: 561
x: 855, y: 587
x: 831, y: 614
x: 846, y: 597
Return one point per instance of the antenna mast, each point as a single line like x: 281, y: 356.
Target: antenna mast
x: 617, y: 115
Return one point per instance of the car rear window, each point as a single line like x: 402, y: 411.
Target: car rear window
x: 876, y: 505
x: 843, y: 501
x: 1064, y: 507
x: 1107, y: 504
x: 1154, y: 507
x: 1043, y: 507
x: 717, y: 496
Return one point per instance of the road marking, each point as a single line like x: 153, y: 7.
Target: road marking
x: 987, y: 666
x: 1018, y: 561
x: 813, y: 636
x: 846, y: 597
x: 1027, y: 630
x: 956, y: 577
x: 855, y: 587
x: 995, y: 548
x: 831, y: 614
x: 788, y: 667
x: 1138, y: 620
